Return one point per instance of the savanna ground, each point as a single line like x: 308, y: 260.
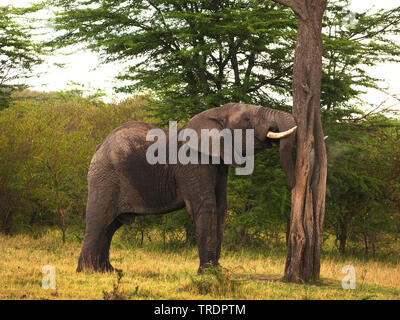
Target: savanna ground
x: 158, y: 272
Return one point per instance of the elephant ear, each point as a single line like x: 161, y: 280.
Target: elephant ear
x: 207, y: 121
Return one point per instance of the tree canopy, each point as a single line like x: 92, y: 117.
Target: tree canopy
x: 19, y: 53
x: 199, y: 54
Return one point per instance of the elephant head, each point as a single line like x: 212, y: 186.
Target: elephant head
x: 269, y: 126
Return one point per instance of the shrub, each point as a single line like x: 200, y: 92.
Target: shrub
x: 46, y: 144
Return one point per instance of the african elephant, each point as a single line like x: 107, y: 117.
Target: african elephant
x: 123, y: 184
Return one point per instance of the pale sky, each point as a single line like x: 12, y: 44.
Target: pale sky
x: 84, y: 67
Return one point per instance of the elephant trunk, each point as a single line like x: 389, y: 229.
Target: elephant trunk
x: 286, y: 123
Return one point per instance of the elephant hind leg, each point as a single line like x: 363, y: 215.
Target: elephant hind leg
x: 96, y: 248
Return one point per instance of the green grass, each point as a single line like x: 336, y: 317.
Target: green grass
x: 153, y: 273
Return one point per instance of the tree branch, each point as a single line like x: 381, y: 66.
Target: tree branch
x: 252, y: 60
x: 295, y: 5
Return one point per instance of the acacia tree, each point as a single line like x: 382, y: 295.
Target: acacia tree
x: 308, y: 196
x: 200, y: 54
x: 192, y: 55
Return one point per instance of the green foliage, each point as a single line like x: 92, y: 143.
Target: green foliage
x: 46, y: 147
x: 363, y: 182
x: 352, y: 44
x: 200, y: 54
x: 259, y: 204
x: 192, y: 55
x: 215, y: 281
x: 18, y: 52
x: 174, y: 230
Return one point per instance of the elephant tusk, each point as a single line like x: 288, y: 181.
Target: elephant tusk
x: 280, y: 135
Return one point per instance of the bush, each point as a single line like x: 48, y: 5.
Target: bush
x: 215, y: 282
x: 46, y: 144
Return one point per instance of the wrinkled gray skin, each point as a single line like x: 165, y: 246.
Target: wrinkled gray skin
x: 123, y: 185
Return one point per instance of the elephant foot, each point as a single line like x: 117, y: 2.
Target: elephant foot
x: 94, y: 264
x: 106, y: 267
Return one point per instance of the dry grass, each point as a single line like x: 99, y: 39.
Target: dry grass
x: 153, y: 274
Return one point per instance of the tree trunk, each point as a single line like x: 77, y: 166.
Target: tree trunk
x: 342, y: 234
x: 373, y: 241
x: 287, y: 231
x: 8, y: 221
x: 365, y: 244
x: 342, y: 242
x: 308, y: 196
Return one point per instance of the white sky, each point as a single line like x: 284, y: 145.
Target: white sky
x: 84, y: 67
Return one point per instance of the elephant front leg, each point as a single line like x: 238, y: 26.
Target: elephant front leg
x: 207, y: 239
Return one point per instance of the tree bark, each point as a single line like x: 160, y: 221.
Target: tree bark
x: 308, y: 195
